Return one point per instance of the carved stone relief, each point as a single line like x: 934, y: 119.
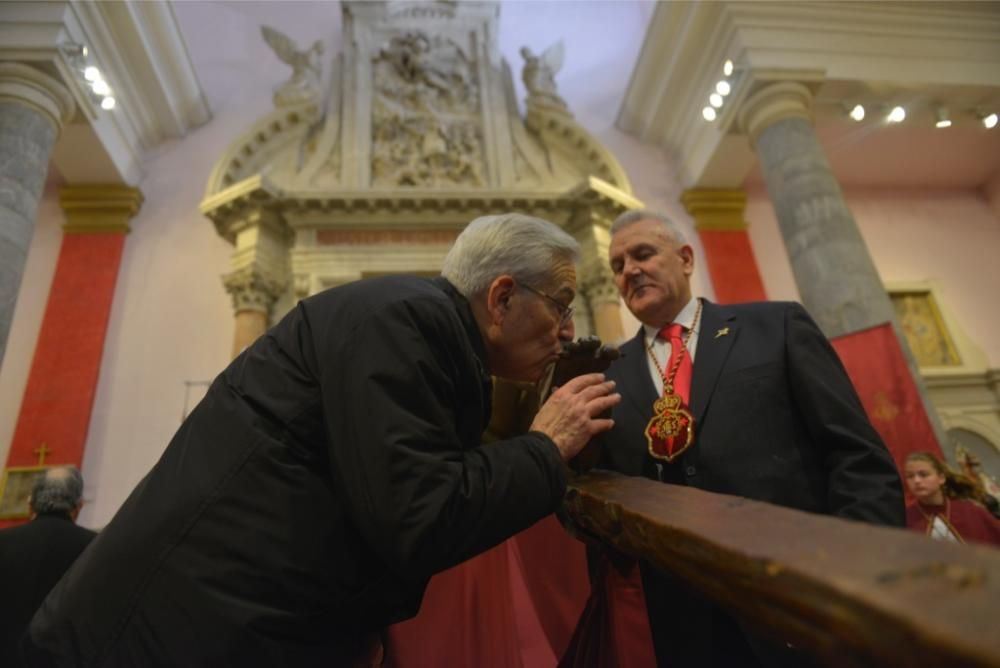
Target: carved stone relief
x: 426, y: 126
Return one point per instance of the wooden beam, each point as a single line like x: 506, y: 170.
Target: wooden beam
x: 851, y: 594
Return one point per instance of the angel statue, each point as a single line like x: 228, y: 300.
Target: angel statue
x: 304, y: 84
x: 539, y: 75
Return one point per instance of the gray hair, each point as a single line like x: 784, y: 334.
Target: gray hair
x: 509, y: 243
x: 636, y: 215
x: 58, y: 490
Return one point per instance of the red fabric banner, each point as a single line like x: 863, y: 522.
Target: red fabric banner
x: 60, y: 392
x: 732, y: 266
x: 875, y: 363
x: 514, y: 606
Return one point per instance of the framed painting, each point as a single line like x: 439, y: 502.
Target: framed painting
x: 15, y: 491
x: 924, y: 328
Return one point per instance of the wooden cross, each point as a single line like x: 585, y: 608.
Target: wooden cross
x: 41, y: 451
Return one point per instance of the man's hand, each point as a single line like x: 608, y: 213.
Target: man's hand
x: 571, y: 416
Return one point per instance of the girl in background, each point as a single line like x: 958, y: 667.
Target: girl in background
x: 941, y: 506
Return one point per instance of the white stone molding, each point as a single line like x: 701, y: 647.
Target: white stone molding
x: 139, y: 49
x: 774, y: 102
x: 29, y: 87
x: 900, y: 46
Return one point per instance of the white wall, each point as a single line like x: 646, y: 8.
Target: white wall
x: 950, y: 238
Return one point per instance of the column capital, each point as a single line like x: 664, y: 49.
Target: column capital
x: 716, y: 209
x: 253, y: 289
x: 24, y: 85
x: 99, y: 208
x: 772, y: 103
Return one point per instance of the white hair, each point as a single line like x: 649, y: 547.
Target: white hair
x: 527, y: 248
x: 637, y: 215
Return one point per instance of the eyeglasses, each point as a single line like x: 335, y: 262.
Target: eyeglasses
x: 565, y: 312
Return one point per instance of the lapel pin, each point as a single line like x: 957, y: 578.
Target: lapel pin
x: 722, y: 332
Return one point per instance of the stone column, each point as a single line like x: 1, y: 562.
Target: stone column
x: 259, y: 276
x: 33, y: 108
x: 605, y: 307
x: 718, y: 218
x: 62, y: 383
x: 833, y: 269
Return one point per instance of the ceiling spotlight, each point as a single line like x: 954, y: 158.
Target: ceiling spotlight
x: 857, y: 113
x: 91, y: 73
x: 723, y: 88
x: 100, y: 87
x: 990, y: 122
x: 942, y: 118
x: 897, y: 115
x: 108, y: 103
x: 727, y: 67
x: 715, y: 100
x: 708, y: 113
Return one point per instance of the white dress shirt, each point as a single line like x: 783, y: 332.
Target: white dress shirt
x: 661, y: 347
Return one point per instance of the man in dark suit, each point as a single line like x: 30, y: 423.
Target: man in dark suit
x: 35, y: 555
x: 764, y: 410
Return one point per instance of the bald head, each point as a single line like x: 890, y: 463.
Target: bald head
x: 58, y: 490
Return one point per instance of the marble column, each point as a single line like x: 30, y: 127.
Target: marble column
x: 259, y: 274
x: 718, y: 218
x: 33, y: 108
x: 604, y: 305
x: 833, y: 269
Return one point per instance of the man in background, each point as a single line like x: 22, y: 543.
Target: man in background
x: 35, y: 555
x: 746, y: 399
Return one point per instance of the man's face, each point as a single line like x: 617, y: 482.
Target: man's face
x: 652, y: 271
x: 531, y: 334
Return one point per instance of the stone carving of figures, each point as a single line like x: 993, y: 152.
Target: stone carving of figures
x: 436, y: 69
x: 304, y: 84
x: 539, y: 75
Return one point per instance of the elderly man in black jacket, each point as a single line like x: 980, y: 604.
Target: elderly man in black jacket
x: 35, y: 555
x: 335, y: 465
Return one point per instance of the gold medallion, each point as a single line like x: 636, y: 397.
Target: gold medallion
x: 671, y: 429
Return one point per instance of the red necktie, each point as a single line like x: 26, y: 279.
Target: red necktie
x: 682, y: 380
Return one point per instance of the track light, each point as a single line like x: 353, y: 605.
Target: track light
x: 857, y: 112
x: 708, y: 113
x: 897, y: 115
x: 943, y: 120
x: 727, y: 68
x: 990, y: 121
x: 715, y: 100
x: 108, y: 103
x: 723, y: 88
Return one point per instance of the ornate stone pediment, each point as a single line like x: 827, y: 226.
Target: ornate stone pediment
x: 420, y: 100
x: 413, y: 126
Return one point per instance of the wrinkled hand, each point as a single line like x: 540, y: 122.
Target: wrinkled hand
x: 572, y: 415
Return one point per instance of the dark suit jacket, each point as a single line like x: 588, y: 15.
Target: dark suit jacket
x: 776, y: 419
x: 329, y: 471
x: 32, y: 559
